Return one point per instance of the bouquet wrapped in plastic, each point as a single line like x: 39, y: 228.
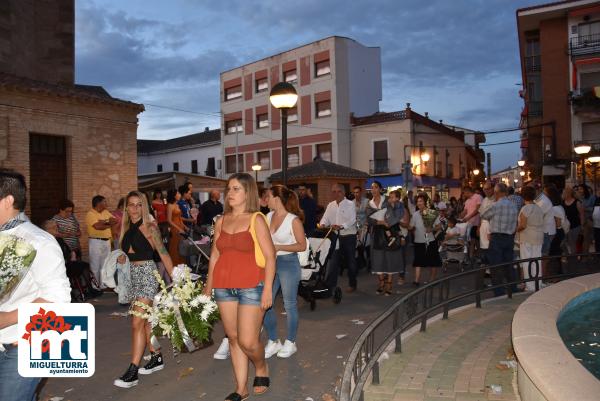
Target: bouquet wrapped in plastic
x: 429, y: 217
x: 181, y: 312
x: 16, y: 257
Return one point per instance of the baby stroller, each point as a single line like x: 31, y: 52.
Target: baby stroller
x: 455, y: 251
x: 312, y: 281
x: 195, y: 248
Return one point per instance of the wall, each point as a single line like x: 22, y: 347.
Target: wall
x: 397, y: 133
x: 147, y: 163
x: 37, y: 39
x: 101, y: 144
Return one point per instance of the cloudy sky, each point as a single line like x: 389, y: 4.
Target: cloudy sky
x: 456, y: 59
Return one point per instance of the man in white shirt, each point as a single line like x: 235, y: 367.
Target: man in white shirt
x: 340, y: 215
x: 484, y: 227
x: 46, y: 281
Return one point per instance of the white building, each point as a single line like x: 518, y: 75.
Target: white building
x: 196, y: 154
x: 334, y: 77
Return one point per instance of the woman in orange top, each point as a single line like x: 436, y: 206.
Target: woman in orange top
x: 176, y: 225
x: 242, y: 289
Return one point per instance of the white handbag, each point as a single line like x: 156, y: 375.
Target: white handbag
x: 303, y: 256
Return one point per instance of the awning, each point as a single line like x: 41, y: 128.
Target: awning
x: 387, y: 181
x: 552, y: 170
x: 427, y: 181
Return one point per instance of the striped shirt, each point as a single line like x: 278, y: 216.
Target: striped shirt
x: 502, y: 216
x: 68, y: 227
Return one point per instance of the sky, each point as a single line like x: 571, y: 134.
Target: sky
x: 458, y: 60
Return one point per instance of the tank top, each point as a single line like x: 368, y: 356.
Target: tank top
x: 135, y: 240
x: 161, y: 211
x: 236, y: 267
x: 284, y: 235
x: 572, y: 214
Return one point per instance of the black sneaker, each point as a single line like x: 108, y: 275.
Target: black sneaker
x: 154, y: 365
x: 129, y: 378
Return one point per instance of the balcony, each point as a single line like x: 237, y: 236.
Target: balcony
x: 535, y: 109
x: 586, y: 103
x: 533, y: 63
x: 379, y: 166
x: 586, y: 44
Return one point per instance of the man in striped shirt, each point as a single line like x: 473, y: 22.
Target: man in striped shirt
x: 68, y: 226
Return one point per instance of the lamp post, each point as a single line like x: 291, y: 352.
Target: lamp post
x: 521, y: 163
x: 582, y: 149
x: 256, y: 167
x: 283, y: 96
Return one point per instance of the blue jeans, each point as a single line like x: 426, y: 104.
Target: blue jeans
x: 501, y: 252
x: 287, y: 276
x: 13, y: 387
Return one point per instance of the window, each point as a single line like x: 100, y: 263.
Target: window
x: 324, y: 151
x: 589, y: 29
x: 233, y: 127
x: 450, y: 171
x: 176, y: 166
x: 438, y: 168
x: 322, y: 68
x: 293, y: 115
x: 262, y: 120
x: 234, y: 92
x: 230, y: 164
x: 293, y: 157
x: 264, y: 158
x: 533, y: 60
x: 194, y: 166
x: 211, y: 171
x: 323, y: 109
x: 262, y: 85
x: 159, y: 168
x: 290, y: 76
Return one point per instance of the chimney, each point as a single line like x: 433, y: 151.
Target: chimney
x: 442, y: 122
x: 408, y: 106
x: 206, y: 129
x: 426, y: 114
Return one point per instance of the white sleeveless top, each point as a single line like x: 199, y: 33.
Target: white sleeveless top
x: 284, y: 234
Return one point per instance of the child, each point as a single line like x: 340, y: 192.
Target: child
x: 453, y: 233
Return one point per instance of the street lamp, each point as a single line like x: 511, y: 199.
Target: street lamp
x: 521, y: 163
x: 283, y: 96
x: 476, y: 171
x: 522, y: 173
x: 425, y: 156
x: 582, y: 148
x: 256, y: 167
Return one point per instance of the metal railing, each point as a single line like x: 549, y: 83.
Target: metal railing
x: 535, y: 108
x: 585, y: 44
x: 379, y: 166
x: 422, y: 303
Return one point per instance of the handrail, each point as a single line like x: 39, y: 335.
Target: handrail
x: 416, y: 306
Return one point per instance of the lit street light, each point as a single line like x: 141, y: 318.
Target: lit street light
x: 256, y: 167
x: 582, y: 149
x: 283, y: 96
x: 521, y: 163
x: 476, y: 171
x: 425, y: 156
x: 522, y: 173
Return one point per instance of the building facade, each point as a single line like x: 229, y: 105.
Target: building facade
x: 198, y: 153
x: 383, y: 144
x: 334, y: 77
x: 560, y: 62
x: 70, y: 141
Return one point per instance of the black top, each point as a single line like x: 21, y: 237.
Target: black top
x: 572, y: 214
x: 135, y: 240
x: 211, y: 209
x: 309, y: 207
x: 265, y: 210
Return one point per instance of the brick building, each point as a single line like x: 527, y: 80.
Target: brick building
x: 70, y: 141
x: 560, y: 62
x: 334, y: 77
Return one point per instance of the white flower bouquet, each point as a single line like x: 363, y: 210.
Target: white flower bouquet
x: 429, y: 217
x: 16, y: 257
x: 180, y: 311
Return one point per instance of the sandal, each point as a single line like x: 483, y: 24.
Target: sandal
x: 380, y: 286
x: 388, y: 288
x: 236, y: 397
x: 261, y: 381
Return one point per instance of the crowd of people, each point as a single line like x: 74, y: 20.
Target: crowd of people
x: 258, y: 242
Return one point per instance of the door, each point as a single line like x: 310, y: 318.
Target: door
x: 48, y: 175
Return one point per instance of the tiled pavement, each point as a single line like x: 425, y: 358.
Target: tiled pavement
x: 455, y: 359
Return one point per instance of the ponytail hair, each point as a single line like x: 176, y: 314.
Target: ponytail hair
x: 289, y: 199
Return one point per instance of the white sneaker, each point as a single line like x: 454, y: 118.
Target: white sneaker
x: 223, y: 351
x: 272, y: 348
x: 289, y: 348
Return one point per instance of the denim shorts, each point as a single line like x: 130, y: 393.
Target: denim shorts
x: 244, y: 296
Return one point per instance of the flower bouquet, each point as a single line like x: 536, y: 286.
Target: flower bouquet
x: 16, y: 257
x: 429, y: 217
x: 181, y: 312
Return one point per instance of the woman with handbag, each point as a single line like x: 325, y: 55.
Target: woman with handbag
x: 388, y: 240
x: 287, y: 231
x: 241, y: 272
